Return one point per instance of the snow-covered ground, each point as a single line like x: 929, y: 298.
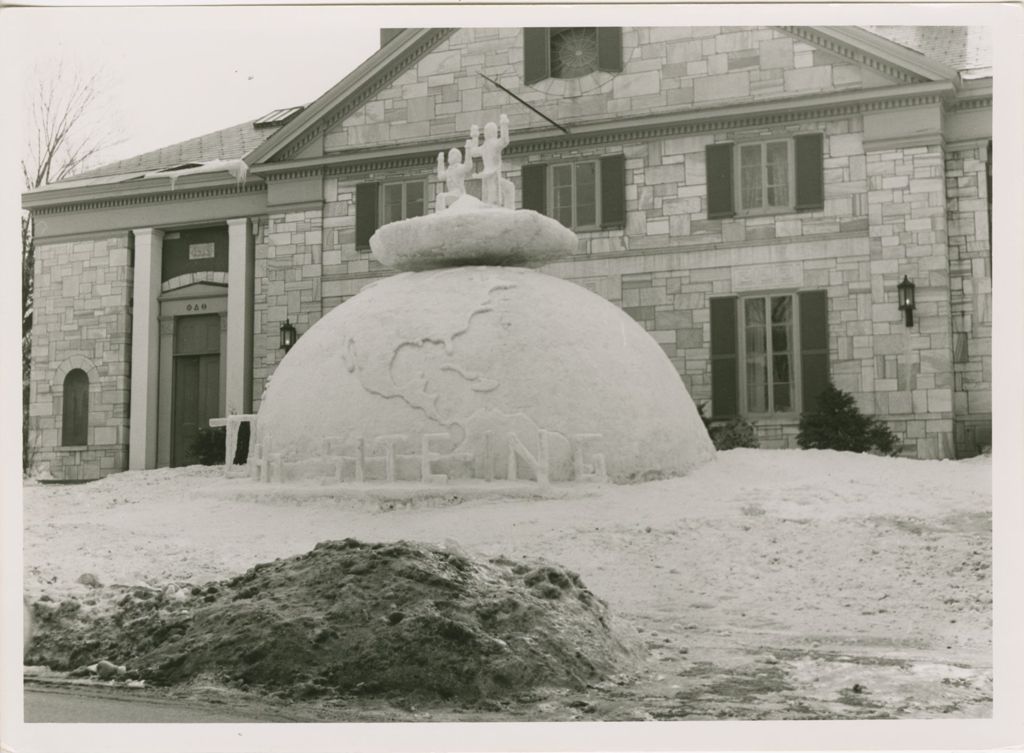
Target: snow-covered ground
x: 843, y: 570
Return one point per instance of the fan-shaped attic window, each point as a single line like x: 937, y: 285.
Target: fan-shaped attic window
x: 570, y: 52
x: 573, y: 52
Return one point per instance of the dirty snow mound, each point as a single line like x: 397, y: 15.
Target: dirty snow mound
x: 349, y: 617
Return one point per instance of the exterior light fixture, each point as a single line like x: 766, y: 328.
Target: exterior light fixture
x: 288, y: 335
x: 906, y: 291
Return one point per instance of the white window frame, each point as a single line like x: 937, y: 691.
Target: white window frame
x: 790, y: 205
x: 382, y: 201
x: 550, y: 191
x: 794, y: 349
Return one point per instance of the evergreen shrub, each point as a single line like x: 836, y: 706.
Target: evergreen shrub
x: 838, y: 424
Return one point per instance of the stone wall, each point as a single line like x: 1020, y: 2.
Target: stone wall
x: 970, y: 260
x: 911, y: 382
x: 664, y: 69
x: 82, y: 320
x: 288, y: 270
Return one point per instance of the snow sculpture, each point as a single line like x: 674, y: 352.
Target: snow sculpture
x: 494, y: 189
x: 469, y: 365
x: 454, y: 176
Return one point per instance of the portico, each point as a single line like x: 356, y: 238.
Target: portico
x: 206, y: 279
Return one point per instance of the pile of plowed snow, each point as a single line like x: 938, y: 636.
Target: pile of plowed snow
x: 349, y: 617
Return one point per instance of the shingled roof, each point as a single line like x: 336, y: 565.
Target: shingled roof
x: 228, y: 143
x: 967, y: 49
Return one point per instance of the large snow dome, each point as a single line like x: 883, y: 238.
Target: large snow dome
x: 468, y: 366
x: 464, y: 366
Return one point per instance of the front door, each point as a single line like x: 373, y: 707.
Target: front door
x: 196, y: 383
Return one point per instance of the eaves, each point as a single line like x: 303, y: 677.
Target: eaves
x: 145, y: 190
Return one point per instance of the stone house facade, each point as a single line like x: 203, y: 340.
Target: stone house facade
x: 752, y: 196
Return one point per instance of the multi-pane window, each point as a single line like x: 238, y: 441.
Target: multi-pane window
x: 574, y: 194
x: 401, y: 201
x: 768, y: 354
x: 764, y: 175
x: 767, y: 177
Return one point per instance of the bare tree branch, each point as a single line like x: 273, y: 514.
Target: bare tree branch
x: 67, y: 128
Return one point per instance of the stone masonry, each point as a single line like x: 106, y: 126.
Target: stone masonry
x: 288, y: 273
x: 970, y: 261
x: 912, y: 378
x: 82, y: 320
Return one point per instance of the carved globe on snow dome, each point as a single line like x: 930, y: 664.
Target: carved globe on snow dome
x: 462, y: 366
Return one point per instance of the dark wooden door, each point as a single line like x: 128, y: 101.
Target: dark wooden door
x: 196, y: 382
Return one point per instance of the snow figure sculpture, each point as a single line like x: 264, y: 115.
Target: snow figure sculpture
x: 454, y: 176
x: 494, y: 189
x: 469, y: 365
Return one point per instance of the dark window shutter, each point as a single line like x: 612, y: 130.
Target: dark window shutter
x: 725, y: 390
x: 810, y: 175
x: 536, y: 55
x: 75, y: 418
x: 366, y: 213
x: 613, y: 191
x: 813, y: 346
x: 609, y: 49
x: 718, y: 159
x: 535, y: 188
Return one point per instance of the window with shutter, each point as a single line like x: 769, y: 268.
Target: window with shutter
x: 75, y: 414
x: 769, y: 353
x: 582, y: 195
x: 766, y: 177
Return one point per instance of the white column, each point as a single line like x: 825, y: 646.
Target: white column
x: 145, y: 349
x: 239, y: 341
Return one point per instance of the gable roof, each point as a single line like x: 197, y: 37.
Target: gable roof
x: 933, y: 53
x: 394, y: 57
x: 407, y: 46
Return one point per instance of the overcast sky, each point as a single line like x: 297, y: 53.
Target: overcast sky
x: 173, y: 73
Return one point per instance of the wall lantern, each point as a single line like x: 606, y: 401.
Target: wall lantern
x: 906, y: 289
x: 288, y: 335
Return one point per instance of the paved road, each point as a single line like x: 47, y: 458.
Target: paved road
x: 67, y: 705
